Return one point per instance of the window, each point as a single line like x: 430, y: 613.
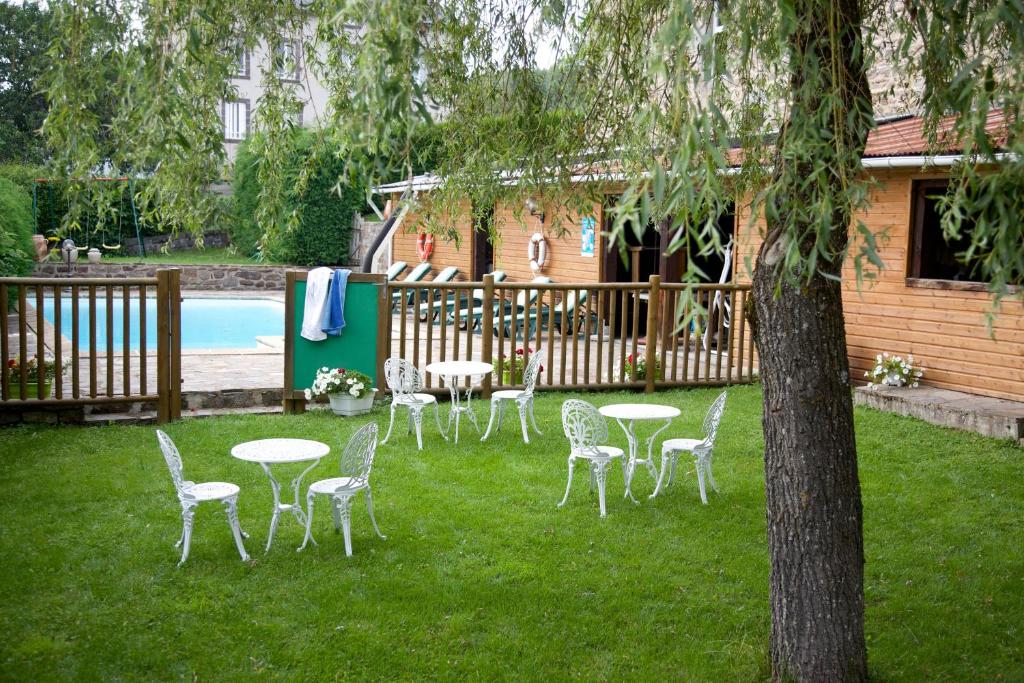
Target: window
x: 286, y: 60
x: 236, y: 120
x: 295, y: 115
x: 241, y: 63
x: 932, y: 257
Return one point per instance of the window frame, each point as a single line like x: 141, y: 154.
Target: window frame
x: 295, y: 76
x: 246, y: 72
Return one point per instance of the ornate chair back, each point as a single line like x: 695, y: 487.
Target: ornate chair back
x: 173, y: 458
x: 402, y: 378
x: 531, y: 372
x: 713, y: 419
x: 357, y: 457
x: 584, y: 426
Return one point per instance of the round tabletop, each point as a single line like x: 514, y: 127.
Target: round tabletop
x: 272, y: 451
x: 459, y: 368
x: 639, y: 411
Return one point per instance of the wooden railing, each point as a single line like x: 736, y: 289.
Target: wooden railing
x: 591, y: 335
x: 88, y: 372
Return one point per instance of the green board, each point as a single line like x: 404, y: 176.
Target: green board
x: 355, y: 348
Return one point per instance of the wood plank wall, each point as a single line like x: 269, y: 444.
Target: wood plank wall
x: 945, y: 330
x: 446, y: 253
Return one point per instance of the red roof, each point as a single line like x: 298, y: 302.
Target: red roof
x: 906, y: 137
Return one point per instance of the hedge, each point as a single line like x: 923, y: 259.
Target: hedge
x: 16, y: 248
x: 325, y: 216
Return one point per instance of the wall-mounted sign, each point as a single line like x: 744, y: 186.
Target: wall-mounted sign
x: 588, y: 230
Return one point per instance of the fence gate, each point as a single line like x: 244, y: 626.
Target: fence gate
x: 68, y: 342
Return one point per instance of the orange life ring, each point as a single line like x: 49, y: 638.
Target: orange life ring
x: 424, y: 246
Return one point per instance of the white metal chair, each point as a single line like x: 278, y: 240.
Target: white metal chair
x: 702, y: 450
x: 523, y: 400
x: 191, y: 494
x: 586, y: 430
x: 356, y: 463
x: 405, y: 381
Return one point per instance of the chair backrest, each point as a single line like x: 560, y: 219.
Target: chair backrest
x: 584, y: 426
x: 713, y: 419
x: 528, y: 296
x: 531, y: 371
x: 417, y: 273
x: 447, y: 275
x: 396, y: 269
x: 357, y: 456
x: 173, y: 458
x: 499, y: 275
x: 571, y: 301
x: 402, y: 377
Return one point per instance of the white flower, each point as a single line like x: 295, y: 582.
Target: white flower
x: 354, y: 392
x: 309, y: 394
x: 884, y: 355
x: 915, y: 385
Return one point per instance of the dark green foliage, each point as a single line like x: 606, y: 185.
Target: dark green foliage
x: 16, y: 247
x: 25, y: 33
x: 319, y: 211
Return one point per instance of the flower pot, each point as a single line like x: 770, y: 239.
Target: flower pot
x: 32, y: 389
x: 344, y: 404
x: 94, y: 255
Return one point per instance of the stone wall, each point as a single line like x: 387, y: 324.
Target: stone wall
x: 195, y: 277
x: 154, y: 243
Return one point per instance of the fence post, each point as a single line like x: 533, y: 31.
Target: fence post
x: 486, y: 330
x: 174, y: 302
x: 651, y: 333
x: 163, y: 364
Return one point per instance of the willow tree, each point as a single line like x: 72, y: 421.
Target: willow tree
x: 693, y: 103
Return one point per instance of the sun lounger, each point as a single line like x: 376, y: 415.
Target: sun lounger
x: 417, y: 274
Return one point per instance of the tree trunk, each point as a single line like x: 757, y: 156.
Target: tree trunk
x: 815, y: 534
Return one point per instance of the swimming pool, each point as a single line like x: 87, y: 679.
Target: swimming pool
x: 206, y: 323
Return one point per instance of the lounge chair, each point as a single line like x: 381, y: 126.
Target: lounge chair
x: 417, y: 274
x: 570, y: 302
x: 515, y: 313
x: 396, y: 269
x: 445, y: 276
x: 449, y: 303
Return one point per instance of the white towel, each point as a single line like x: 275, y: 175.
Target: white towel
x: 318, y: 282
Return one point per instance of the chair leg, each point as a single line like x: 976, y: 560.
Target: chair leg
x: 533, y: 419
x: 490, y: 422
x: 231, y: 509
x: 672, y: 472
x: 344, y: 504
x: 391, y: 425
x: 711, y: 477
x: 522, y: 421
x: 666, y: 459
x: 310, y: 497
x: 336, y: 514
x: 700, y: 483
x: 568, y: 484
x: 501, y: 414
x: 437, y: 419
x: 416, y: 414
x: 601, y: 474
x: 187, y: 517
x: 369, y: 508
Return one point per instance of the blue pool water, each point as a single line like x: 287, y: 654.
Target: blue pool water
x: 205, y: 323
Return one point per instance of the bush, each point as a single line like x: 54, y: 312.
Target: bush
x: 16, y: 248
x: 324, y: 216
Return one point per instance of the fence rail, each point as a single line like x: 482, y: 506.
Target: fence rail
x: 592, y: 335
x: 79, y: 340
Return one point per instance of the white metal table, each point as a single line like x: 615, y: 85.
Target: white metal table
x: 269, y: 452
x: 627, y: 415
x: 452, y: 372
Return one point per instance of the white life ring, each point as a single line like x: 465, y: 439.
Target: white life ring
x: 537, y: 252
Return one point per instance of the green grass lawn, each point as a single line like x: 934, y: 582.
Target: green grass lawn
x: 481, y: 577
x: 186, y: 257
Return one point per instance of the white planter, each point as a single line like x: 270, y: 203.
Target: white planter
x: 94, y: 255
x: 343, y: 404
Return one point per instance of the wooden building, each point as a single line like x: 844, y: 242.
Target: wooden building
x: 923, y: 303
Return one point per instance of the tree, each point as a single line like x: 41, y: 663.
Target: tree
x: 664, y: 97
x: 24, y: 37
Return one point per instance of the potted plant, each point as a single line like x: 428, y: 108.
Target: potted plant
x: 511, y: 368
x: 32, y: 376
x: 641, y: 366
x: 349, y: 392
x: 893, y: 371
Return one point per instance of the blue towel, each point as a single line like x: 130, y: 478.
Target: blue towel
x: 334, y: 311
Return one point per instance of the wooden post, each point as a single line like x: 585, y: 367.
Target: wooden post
x: 486, y: 331
x: 174, y: 301
x: 290, y: 404
x: 651, y: 350
x: 163, y: 364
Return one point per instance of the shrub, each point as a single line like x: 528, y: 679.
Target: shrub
x: 324, y: 227
x: 16, y: 248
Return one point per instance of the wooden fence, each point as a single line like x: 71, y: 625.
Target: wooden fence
x: 88, y: 372
x: 592, y: 335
